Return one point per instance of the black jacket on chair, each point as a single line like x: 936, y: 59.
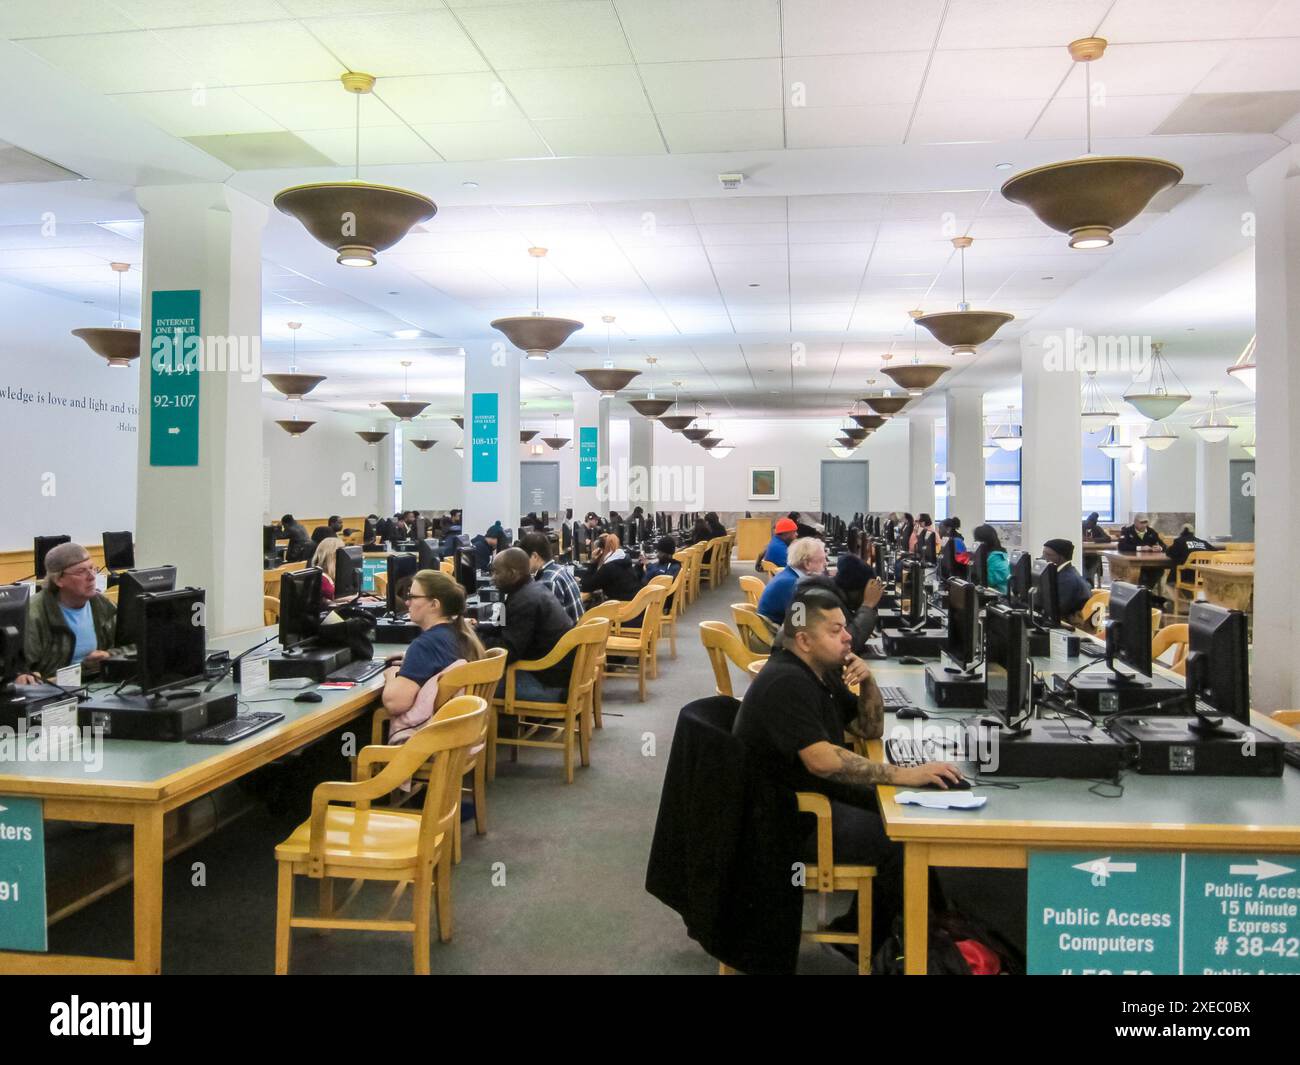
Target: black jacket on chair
x: 535, y: 621
x: 725, y: 844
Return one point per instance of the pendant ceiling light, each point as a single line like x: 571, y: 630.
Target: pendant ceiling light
x: 526, y: 435
x: 858, y: 434
x: 1111, y: 446
x: 710, y: 443
x: 1097, y: 412
x: 679, y: 421
x: 607, y: 380
x: 371, y: 436
x: 915, y: 377
x: 1244, y: 368
x: 1160, y: 393
x: 989, y: 449
x: 885, y: 404
x: 355, y: 218
x: 405, y: 408
x: 1212, y: 426
x: 459, y: 423
x: 839, y: 450
x: 294, y: 427
x: 1092, y: 196
x: 118, y: 345
x: 696, y: 435
x: 1007, y: 436
x: 557, y: 441
x: 652, y: 406
x: 535, y: 334
x: 460, y: 448
x: 721, y: 451
x: 423, y: 444
x: 963, y: 329
x: 869, y: 421
x: 846, y: 442
x: 1158, y: 436
x: 293, y: 385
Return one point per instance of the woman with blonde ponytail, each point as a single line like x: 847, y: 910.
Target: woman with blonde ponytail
x: 436, y: 604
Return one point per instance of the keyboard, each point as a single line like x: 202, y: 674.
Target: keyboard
x: 894, y: 696
x: 358, y: 672
x: 908, y: 753
x: 236, y: 728
x: 1291, y: 754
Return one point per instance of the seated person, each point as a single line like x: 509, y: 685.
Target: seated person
x: 806, y: 557
x: 437, y: 605
x: 534, y: 623
x: 332, y: 527
x: 805, y: 528
x: 487, y: 545
x: 1093, y: 533
x: 68, y: 621
x: 300, y: 542
x: 611, y: 572
x: 324, y: 560
x: 852, y: 573
x: 700, y: 532
x: 793, y: 718
x: 664, y: 565
x: 997, y: 567
x: 1072, y: 591
x: 546, y: 571
x: 783, y: 535
x: 1185, y: 543
x: 1141, y: 538
x: 716, y: 528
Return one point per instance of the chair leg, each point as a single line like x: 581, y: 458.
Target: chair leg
x: 490, y: 755
x: 421, y: 902
x: 583, y: 724
x: 480, y: 799
x: 283, y: 914
x: 597, y: 696
x: 443, y: 886
x: 455, y: 838
x: 640, y: 676
x: 568, y: 749
x: 864, y: 926
x: 326, y: 900
x: 672, y: 637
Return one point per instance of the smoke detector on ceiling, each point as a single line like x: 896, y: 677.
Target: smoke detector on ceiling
x: 731, y: 182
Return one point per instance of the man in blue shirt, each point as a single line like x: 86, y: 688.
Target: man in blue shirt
x: 806, y: 558
x: 776, y: 551
x: 1072, y: 590
x: 68, y: 622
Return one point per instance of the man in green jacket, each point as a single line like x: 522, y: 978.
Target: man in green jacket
x: 68, y: 621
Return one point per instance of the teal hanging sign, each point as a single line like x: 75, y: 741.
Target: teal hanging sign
x: 483, y: 437
x: 22, y: 874
x: 175, y: 358
x: 588, y: 455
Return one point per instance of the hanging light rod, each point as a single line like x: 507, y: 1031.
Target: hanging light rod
x: 118, y: 346
x: 535, y: 334
x: 963, y: 329
x: 293, y: 385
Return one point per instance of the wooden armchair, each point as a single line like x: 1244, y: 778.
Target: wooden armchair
x: 1175, y: 636
x: 673, y: 606
x: 770, y: 568
x: 270, y: 610
x: 1186, y: 584
x: 752, y: 587
x: 571, y: 718
x: 711, y: 564
x: 641, y: 644
x: 723, y: 645
x: 403, y: 847
x: 755, y: 633
x: 608, y: 610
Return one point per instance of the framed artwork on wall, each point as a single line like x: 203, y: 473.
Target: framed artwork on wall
x: 765, y: 482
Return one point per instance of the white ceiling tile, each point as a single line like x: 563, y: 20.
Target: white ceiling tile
x: 925, y: 206
x: 846, y: 127
x: 209, y: 111
x: 448, y: 98
x: 847, y: 252
x: 385, y: 145
x: 620, y: 135
x: 324, y: 8
x: 578, y: 92
x: 1149, y: 69
x: 664, y: 31
x: 117, y: 62
x: 852, y: 80
x: 316, y: 105
x: 1283, y: 20
x: 734, y: 208
x: 475, y: 141
x: 571, y: 33
x: 1131, y: 21
x: 1122, y: 116
x: 984, y: 74
x: 649, y: 234
x: 161, y: 14
x: 20, y: 19
x: 725, y: 85
x: 832, y: 232
x: 250, y: 53
x: 836, y: 208
x: 744, y: 233
x: 1256, y: 66
x: 748, y: 253
x: 828, y: 27
x: 1019, y: 23
x: 954, y: 121
x: 425, y: 42
x: 645, y: 216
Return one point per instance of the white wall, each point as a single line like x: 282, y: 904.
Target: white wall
x: 327, y: 470
x: 433, y: 479
x: 797, y: 447
x: 67, y: 424
x: 1171, y: 476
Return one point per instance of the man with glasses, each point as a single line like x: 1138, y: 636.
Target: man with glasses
x: 68, y: 621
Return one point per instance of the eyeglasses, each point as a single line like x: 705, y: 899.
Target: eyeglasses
x: 86, y: 570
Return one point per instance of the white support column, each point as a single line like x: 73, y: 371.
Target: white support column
x: 206, y: 518
x: 590, y: 411
x: 965, y: 411
x: 1275, y: 188
x: 386, y: 472
x: 492, y: 484
x: 1212, y: 489
x: 920, y: 463
x: 1051, y: 461
x: 641, y: 449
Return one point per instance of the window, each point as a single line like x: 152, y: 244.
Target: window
x: 1002, y: 486
x: 1098, y: 481
x: 397, y: 468
x: 940, y: 472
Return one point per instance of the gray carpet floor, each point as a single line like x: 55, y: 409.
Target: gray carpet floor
x: 555, y: 886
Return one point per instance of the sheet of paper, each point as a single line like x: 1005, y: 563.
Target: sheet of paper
x: 254, y: 676
x: 942, y: 800
x: 69, y: 676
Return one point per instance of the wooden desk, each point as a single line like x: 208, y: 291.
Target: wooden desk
x: 140, y: 782
x: 1228, y: 585
x: 1126, y: 565
x: 1154, y: 813
x: 752, y: 535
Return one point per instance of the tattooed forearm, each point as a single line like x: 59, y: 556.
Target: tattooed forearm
x: 860, y: 772
x: 870, y: 722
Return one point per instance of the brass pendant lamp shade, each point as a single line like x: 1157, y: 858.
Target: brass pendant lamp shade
x: 459, y: 423
x: 886, y: 405
x: 859, y: 434
x: 869, y: 422
x: 556, y: 441
x: 677, y: 422
x: 294, y: 427
x: 651, y: 408
x: 1244, y: 368
x: 293, y: 385
x: 1161, y: 393
x: 371, y: 436
x: 963, y: 329
x: 1159, y: 437
x: 405, y: 408
x: 525, y: 435
x: 355, y: 219
x: 847, y: 442
x: 535, y: 334
x: 696, y: 435
x: 119, y: 347
x: 709, y: 443
x: 423, y: 444
x: 915, y: 376
x: 1092, y: 196
x: 608, y: 382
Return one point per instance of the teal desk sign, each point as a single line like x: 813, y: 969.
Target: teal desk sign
x: 588, y: 455
x: 22, y: 874
x: 369, y: 567
x: 1112, y: 913
x: 1103, y: 913
x: 175, y: 358
x: 484, y: 431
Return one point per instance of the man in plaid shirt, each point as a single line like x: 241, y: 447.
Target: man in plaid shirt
x: 557, y: 578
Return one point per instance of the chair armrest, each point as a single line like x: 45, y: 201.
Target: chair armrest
x: 814, y: 802
x: 377, y: 720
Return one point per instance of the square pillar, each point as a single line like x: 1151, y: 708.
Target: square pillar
x: 965, y: 473
x: 491, y: 464
x: 1051, y: 461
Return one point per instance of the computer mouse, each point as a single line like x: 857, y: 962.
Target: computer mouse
x: 910, y: 660
x: 906, y: 713
x: 308, y: 697
x: 965, y: 784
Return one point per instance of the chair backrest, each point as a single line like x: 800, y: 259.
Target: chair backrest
x: 647, y: 604
x: 479, y: 677
x: 753, y: 629
x: 1175, y: 636
x: 459, y: 725
x: 1097, y: 600
x: 608, y: 610
x: 752, y: 587
x: 588, y: 640
x: 721, y: 644
x: 270, y: 610
x: 771, y: 568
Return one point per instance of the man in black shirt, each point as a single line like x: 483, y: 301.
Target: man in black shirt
x: 794, y: 716
x: 534, y: 624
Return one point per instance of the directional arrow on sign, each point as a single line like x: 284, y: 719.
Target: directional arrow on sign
x: 3, y: 809
x: 1104, y: 867
x: 1259, y: 869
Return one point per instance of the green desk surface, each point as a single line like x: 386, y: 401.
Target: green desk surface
x: 1246, y: 803
x: 141, y: 762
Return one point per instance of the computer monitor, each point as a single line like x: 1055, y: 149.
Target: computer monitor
x: 1008, y: 671
x: 1021, y: 582
x: 1218, y: 667
x: 962, y: 647
x: 1047, y: 601
x: 119, y: 550
x: 173, y: 639
x: 566, y: 539
x: 42, y: 546
x: 133, y: 584
x: 270, y: 533
x: 421, y: 530
x: 347, y: 571
x: 546, y: 519
x: 428, y: 554
x: 1128, y: 630
x: 978, y: 571
x: 13, y: 625
x: 465, y: 570
x: 401, y: 568
x: 300, y: 606
x: 914, y: 592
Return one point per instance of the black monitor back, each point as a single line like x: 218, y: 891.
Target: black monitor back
x: 173, y: 639
x: 347, y: 571
x: 300, y: 605
x: 401, y: 568
x: 41, y: 547
x: 1218, y: 666
x: 119, y: 550
x: 131, y: 586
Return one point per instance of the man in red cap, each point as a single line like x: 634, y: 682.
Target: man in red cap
x: 775, y: 551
